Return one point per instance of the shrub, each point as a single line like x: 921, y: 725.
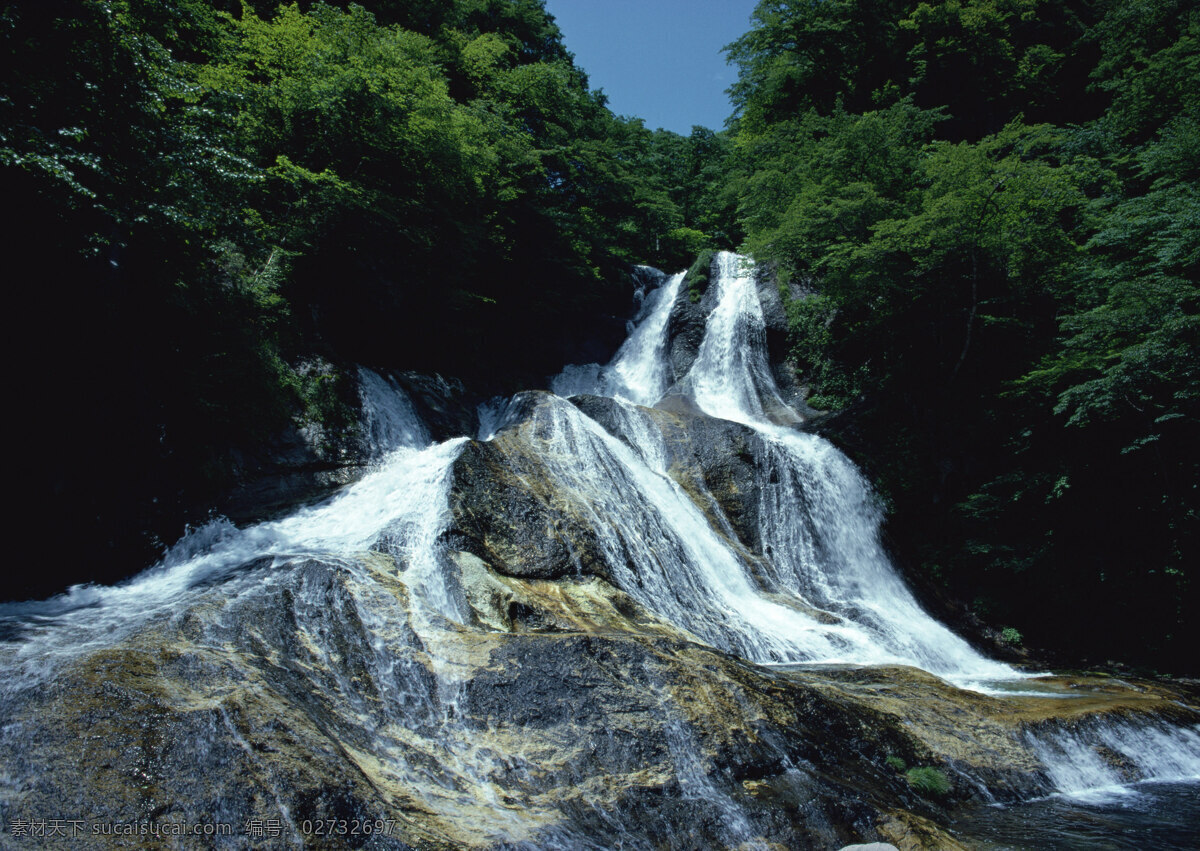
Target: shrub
x: 928, y: 781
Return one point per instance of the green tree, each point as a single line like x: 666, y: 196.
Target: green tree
x: 801, y: 56
x: 1007, y: 308
x: 226, y: 204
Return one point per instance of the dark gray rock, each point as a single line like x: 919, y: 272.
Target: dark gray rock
x: 506, y: 512
x: 716, y: 461
x: 685, y: 331
x: 445, y: 405
x: 774, y: 311
x: 281, y: 707
x: 664, y: 723
x: 298, y: 466
x: 685, y: 326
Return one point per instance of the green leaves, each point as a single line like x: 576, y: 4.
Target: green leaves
x: 802, y: 56
x: 1150, y: 62
x: 212, y: 201
x: 906, y: 235
x: 993, y: 207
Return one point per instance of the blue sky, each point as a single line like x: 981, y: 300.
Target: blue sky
x: 659, y: 60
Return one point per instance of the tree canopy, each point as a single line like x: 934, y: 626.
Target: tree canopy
x: 224, y: 206
x: 993, y: 206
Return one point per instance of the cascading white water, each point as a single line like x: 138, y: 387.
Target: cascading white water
x: 638, y: 372
x: 731, y: 378
x: 1099, y: 758
x: 835, y: 597
x: 819, y: 526
x: 660, y: 548
x: 389, y: 420
x: 403, y: 497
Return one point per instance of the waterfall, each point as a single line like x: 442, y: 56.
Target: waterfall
x: 366, y: 627
x: 401, y: 500
x: 660, y: 548
x: 389, y: 420
x: 835, y: 561
x: 834, y: 596
x: 638, y: 372
x: 1098, y: 758
x: 731, y: 378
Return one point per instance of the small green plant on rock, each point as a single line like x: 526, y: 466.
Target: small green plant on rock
x: 696, y: 278
x: 895, y: 763
x: 928, y: 781
x: 1011, y: 636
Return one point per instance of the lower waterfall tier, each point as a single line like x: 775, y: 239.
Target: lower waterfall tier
x: 563, y: 714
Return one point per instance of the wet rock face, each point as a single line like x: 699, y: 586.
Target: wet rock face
x: 727, y: 456
x: 653, y: 738
x: 288, y: 706
x: 237, y: 708
x: 295, y: 469
x: 716, y: 461
x: 779, y: 356
x: 505, y: 512
x: 445, y: 405
x: 685, y: 331
x: 685, y: 327
x: 292, y: 703
x: 774, y: 312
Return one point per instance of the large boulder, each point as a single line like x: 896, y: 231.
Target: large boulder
x: 715, y: 461
x: 506, y: 509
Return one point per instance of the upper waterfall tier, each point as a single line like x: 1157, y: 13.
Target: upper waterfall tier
x: 824, y: 590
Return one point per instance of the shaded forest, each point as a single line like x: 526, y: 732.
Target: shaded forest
x: 989, y: 210
x: 994, y: 204
x: 221, y: 208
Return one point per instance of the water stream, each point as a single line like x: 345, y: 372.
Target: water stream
x: 394, y: 685
x: 832, y: 595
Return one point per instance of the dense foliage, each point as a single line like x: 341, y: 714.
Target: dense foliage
x: 220, y: 207
x: 995, y: 204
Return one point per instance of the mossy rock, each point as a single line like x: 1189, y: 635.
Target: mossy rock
x: 697, y: 277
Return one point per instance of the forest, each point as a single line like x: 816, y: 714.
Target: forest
x: 995, y: 207
x: 986, y: 212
